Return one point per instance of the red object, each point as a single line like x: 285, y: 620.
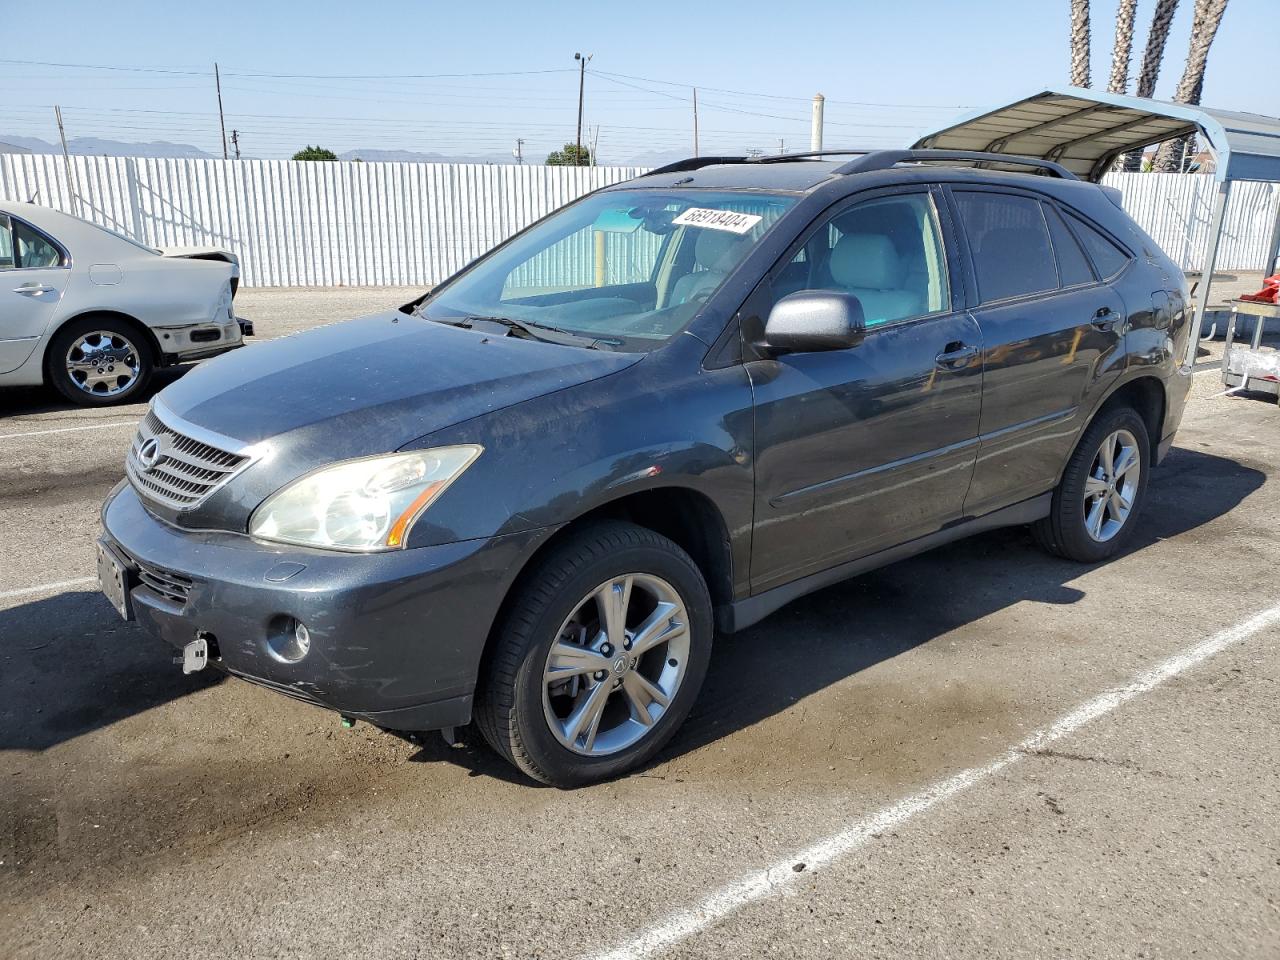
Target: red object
x: 1270, y: 292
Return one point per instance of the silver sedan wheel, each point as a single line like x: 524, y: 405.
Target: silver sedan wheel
x: 616, y: 665
x: 103, y: 363
x: 1112, y: 485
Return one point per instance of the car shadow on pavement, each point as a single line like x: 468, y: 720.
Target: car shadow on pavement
x: 69, y: 665
x: 837, y: 632
x: 31, y: 401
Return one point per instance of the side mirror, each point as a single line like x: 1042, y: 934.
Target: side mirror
x: 813, y: 320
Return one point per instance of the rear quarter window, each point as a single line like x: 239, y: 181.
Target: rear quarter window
x: 1108, y: 258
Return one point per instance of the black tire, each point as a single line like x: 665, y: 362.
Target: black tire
x: 509, y: 709
x: 126, y: 333
x: 1064, y: 531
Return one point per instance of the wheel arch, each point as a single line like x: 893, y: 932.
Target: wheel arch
x: 147, y: 335
x: 688, y: 518
x: 1146, y: 394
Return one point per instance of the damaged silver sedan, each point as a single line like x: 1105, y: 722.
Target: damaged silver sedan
x: 93, y: 313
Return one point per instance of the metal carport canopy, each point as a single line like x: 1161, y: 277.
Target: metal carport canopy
x: 1085, y: 130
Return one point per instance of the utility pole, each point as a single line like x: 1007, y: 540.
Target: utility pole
x: 518, y: 152
x: 782, y: 146
x: 815, y: 134
x: 235, y: 142
x: 582, y: 78
x: 222, y: 121
x: 66, y: 160
x: 595, y: 143
x: 695, y: 121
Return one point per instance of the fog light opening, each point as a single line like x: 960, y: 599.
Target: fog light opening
x: 288, y: 640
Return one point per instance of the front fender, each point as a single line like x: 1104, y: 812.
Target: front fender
x: 552, y: 459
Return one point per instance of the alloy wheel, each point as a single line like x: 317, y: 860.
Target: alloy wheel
x: 616, y: 665
x: 1112, y: 485
x: 103, y: 363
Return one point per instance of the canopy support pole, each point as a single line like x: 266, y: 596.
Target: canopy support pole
x: 1206, y: 277
x: 1273, y: 248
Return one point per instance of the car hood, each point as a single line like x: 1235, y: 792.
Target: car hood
x: 360, y: 388
x: 382, y: 381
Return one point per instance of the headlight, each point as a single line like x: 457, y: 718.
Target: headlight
x: 367, y: 505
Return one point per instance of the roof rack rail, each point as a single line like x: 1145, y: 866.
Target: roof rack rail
x: 693, y: 163
x: 884, y: 159
x: 806, y: 155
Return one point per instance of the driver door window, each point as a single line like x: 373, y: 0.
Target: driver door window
x: 887, y: 252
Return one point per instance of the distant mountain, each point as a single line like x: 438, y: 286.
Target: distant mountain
x: 413, y: 156
x: 94, y: 146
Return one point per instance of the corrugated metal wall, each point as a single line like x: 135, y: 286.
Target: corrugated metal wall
x: 310, y: 224
x: 1175, y: 210
x: 354, y: 224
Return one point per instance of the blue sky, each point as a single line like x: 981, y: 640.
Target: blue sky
x: 369, y: 74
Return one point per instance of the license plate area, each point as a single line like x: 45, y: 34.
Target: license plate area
x: 116, y: 579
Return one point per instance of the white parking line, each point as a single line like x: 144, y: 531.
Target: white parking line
x: 54, y: 587
x: 774, y: 879
x: 45, y: 433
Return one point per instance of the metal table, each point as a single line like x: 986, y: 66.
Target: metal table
x: 1251, y: 368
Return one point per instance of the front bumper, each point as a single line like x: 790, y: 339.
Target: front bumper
x: 396, y: 638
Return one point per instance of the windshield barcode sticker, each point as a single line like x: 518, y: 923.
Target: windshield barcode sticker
x: 718, y: 219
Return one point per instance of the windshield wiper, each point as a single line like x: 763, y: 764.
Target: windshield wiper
x: 534, y: 331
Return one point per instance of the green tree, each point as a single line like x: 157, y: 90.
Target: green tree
x: 315, y: 153
x: 571, y: 155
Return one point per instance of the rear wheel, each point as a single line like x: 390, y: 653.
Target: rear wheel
x: 96, y: 361
x: 599, y: 658
x: 1096, y: 505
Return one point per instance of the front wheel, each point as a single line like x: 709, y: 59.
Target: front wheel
x: 600, y: 657
x: 96, y: 361
x: 1102, y: 491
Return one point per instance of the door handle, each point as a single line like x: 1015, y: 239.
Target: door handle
x: 955, y: 355
x: 35, y: 289
x: 1105, y: 318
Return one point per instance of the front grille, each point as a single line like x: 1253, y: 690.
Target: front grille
x: 184, y: 470
x: 170, y: 585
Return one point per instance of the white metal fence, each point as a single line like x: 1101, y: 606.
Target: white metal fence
x: 1175, y: 210
x: 353, y: 224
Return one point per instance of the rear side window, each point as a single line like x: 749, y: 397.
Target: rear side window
x: 1107, y: 257
x: 1009, y: 239
x: 6, y: 244
x: 1073, y: 267
x: 35, y: 250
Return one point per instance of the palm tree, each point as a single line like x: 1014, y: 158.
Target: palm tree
x: 1204, y: 26
x: 1125, y: 14
x: 1157, y: 37
x: 1080, y: 43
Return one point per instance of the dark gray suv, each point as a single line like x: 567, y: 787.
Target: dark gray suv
x: 532, y: 496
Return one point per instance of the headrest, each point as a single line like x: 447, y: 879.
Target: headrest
x: 866, y: 260
x: 712, y: 246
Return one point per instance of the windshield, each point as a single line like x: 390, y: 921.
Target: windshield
x: 629, y: 268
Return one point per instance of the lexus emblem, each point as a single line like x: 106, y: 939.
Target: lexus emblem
x: 149, y: 454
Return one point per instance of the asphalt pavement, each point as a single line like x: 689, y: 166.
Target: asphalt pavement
x: 980, y: 752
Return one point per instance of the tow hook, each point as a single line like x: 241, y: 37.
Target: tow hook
x: 195, y: 655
